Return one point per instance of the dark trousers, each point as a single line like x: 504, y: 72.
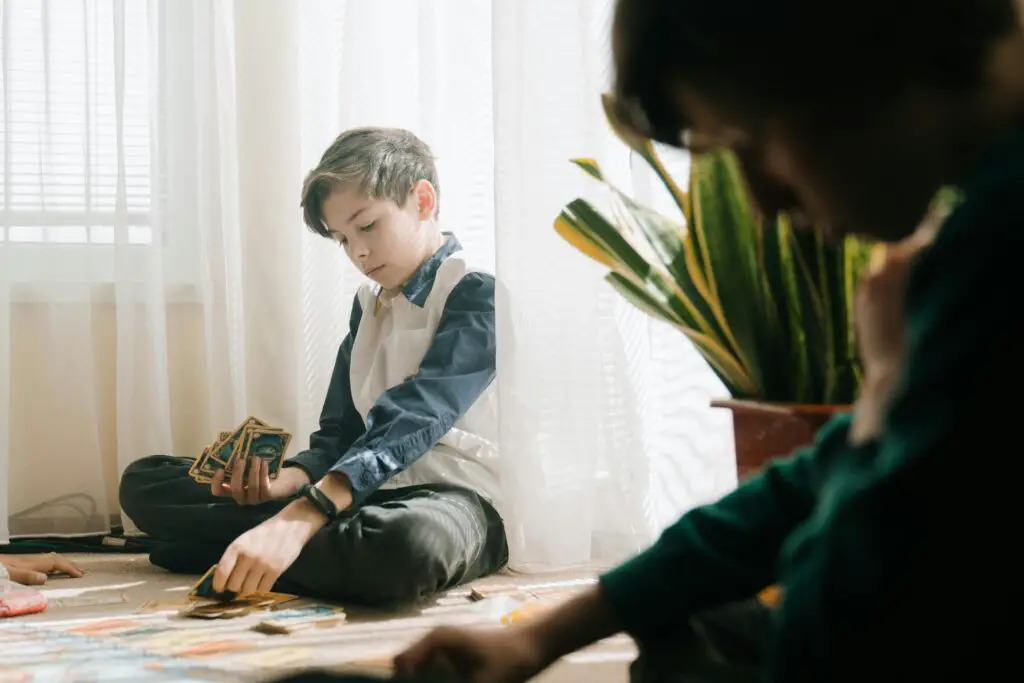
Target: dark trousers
x: 400, y: 546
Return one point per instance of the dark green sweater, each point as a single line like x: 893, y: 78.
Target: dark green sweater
x: 897, y: 558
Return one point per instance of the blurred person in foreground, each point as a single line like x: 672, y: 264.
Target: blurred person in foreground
x: 890, y: 536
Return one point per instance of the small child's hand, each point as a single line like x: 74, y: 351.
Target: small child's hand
x: 33, y: 570
x: 252, y: 485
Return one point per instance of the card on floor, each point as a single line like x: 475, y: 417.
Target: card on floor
x: 269, y: 600
x: 291, y: 620
x: 216, y: 610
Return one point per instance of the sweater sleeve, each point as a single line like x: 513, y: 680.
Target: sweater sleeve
x: 899, y: 573
x: 723, y: 551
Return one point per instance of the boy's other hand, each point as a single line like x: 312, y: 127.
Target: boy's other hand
x: 507, y: 655
x: 34, y: 570
x: 257, y: 558
x: 252, y: 485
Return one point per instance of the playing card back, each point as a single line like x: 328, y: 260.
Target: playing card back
x: 235, y: 449
x: 262, y: 442
x: 204, y: 588
x: 224, y: 450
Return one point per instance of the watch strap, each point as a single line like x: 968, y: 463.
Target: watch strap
x: 320, y: 501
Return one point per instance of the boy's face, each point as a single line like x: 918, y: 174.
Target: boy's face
x: 387, y: 242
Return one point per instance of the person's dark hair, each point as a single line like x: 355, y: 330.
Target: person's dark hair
x: 384, y: 163
x: 755, y: 54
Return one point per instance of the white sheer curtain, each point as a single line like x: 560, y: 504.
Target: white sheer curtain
x: 157, y: 284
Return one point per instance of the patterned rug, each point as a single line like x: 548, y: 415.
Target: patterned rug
x: 122, y: 622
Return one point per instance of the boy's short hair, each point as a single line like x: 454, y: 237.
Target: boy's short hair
x: 750, y: 54
x: 384, y: 163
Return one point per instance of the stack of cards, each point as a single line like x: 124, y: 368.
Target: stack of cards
x: 209, y: 604
x: 254, y: 438
x: 239, y: 607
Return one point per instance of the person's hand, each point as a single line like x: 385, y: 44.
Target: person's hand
x: 252, y: 485
x: 34, y: 570
x: 257, y: 558
x: 506, y: 655
x: 879, y: 306
x: 880, y: 323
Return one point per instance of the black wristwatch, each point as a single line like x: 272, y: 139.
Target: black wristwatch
x: 320, y: 501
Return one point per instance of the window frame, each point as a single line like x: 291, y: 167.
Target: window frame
x: 51, y: 270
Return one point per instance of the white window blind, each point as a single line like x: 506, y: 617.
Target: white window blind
x: 75, y: 122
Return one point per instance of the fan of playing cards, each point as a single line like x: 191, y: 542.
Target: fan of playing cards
x: 254, y: 438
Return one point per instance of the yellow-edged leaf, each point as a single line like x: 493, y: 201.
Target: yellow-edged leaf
x: 566, y: 227
x: 590, y: 166
x: 721, y: 360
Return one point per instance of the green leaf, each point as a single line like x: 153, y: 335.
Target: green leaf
x: 569, y: 228
x: 720, y: 360
x: 595, y: 227
x: 770, y: 307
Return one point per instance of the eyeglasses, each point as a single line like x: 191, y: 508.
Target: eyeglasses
x: 629, y: 117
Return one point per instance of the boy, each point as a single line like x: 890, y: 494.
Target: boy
x: 891, y: 536
x: 394, y: 499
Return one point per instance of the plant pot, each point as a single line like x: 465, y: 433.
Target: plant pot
x: 765, y: 431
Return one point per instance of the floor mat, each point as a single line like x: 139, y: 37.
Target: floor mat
x: 121, y: 622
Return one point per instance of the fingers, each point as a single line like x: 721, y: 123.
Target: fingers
x: 47, y: 563
x: 428, y: 655
x: 252, y: 580
x: 266, y: 583
x: 26, y: 576
x: 252, y: 490
x: 249, y: 485
x: 59, y: 563
x: 239, y: 574
x: 225, y: 568
x: 218, y: 486
x: 249, y: 576
x: 238, y: 485
x: 264, y: 477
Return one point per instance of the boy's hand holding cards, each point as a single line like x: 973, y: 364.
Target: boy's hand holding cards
x: 207, y: 603
x: 252, y: 442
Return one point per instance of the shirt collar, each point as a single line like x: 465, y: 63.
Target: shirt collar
x: 417, y: 288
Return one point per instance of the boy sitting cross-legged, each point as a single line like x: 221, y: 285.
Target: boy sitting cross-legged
x: 394, y: 498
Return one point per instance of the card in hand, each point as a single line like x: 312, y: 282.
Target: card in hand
x: 252, y: 438
x: 205, y: 466
x: 204, y: 588
x: 268, y: 444
x: 263, y: 442
x: 198, y: 462
x: 226, y: 448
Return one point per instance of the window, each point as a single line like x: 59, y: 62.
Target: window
x: 75, y: 126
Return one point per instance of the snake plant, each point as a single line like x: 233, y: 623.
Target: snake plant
x: 768, y: 306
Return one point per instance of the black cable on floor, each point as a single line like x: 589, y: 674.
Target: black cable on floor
x: 112, y: 543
